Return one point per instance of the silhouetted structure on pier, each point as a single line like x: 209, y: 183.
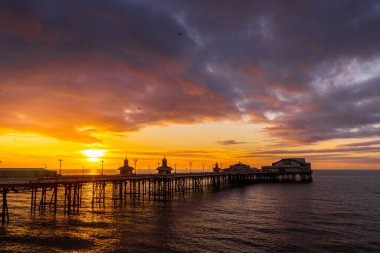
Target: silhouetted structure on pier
x: 126, y: 169
x: 23, y: 173
x: 240, y: 167
x: 216, y: 168
x: 288, y: 165
x: 164, y: 169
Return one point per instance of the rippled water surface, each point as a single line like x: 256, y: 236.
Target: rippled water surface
x: 338, y: 212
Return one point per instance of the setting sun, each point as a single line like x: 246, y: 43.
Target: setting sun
x: 93, y: 155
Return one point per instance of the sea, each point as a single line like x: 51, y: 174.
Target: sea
x: 338, y: 212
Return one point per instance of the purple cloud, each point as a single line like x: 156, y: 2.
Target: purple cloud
x: 230, y: 142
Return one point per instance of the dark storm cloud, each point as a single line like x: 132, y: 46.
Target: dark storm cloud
x: 307, y: 68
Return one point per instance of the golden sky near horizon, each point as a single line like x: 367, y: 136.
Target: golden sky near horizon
x: 181, y: 143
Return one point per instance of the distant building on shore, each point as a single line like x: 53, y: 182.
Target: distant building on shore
x: 240, y: 167
x: 126, y: 169
x: 288, y: 165
x: 164, y: 169
x: 216, y: 168
x: 25, y: 173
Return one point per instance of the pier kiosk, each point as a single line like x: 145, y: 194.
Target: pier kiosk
x: 126, y: 169
x: 164, y: 169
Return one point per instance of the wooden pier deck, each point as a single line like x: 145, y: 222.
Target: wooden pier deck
x: 44, y: 191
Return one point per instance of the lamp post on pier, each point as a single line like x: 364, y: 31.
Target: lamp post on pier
x: 190, y: 163
x: 60, y: 166
x: 135, y: 161
x: 102, y: 166
x: 203, y: 165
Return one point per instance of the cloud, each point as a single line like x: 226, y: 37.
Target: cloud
x: 361, y: 160
x: 345, y: 112
x: 362, y: 144
x: 230, y: 142
x: 318, y: 151
x: 308, y: 69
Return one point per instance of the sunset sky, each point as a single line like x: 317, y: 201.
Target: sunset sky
x: 200, y: 81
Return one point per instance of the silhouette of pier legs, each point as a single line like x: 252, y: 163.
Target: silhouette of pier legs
x: 73, y: 198
x: 4, y: 212
x: 43, y: 196
x: 98, y: 193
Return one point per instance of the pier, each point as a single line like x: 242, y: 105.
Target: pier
x: 44, y: 191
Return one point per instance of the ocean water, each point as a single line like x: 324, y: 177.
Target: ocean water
x: 338, y: 212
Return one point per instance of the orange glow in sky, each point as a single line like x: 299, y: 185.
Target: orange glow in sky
x: 181, y: 143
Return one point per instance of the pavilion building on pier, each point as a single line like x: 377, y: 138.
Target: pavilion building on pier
x: 26, y: 173
x: 240, y: 167
x: 216, y: 168
x: 126, y: 169
x: 288, y: 165
x: 164, y: 169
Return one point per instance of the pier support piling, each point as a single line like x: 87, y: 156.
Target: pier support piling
x: 5, y: 212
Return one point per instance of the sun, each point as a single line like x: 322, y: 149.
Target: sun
x: 93, y: 155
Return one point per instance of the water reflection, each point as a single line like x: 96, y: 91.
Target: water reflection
x: 334, y: 212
